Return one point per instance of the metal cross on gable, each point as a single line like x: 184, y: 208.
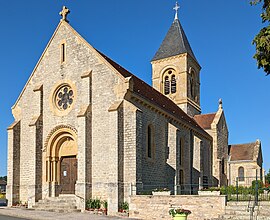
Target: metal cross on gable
x: 65, y: 11
x: 176, y: 8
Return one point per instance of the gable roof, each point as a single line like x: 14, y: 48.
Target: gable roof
x: 243, y: 151
x: 205, y: 120
x: 175, y: 43
x: 147, y: 92
x: 3, y: 182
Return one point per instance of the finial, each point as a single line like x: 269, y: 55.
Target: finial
x: 65, y: 11
x: 176, y: 10
x: 220, y: 103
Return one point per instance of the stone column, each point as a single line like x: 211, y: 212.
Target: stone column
x: 132, y: 146
x: 83, y: 184
x: 113, y: 180
x: 31, y: 188
x: 10, y: 171
x: 172, y: 156
x: 13, y: 172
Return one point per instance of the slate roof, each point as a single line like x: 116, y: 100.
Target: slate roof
x: 205, y: 120
x: 242, y: 151
x: 175, y: 43
x: 3, y: 182
x: 153, y: 96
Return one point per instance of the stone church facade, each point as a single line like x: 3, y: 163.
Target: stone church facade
x: 86, y: 126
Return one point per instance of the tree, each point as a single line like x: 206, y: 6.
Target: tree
x: 267, y: 177
x: 3, y: 178
x: 262, y: 39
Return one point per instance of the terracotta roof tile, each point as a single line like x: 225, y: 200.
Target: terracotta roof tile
x: 152, y: 95
x: 242, y: 151
x: 205, y: 120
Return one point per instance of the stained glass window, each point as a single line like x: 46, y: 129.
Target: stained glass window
x: 64, y: 97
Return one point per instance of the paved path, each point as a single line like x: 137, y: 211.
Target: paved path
x: 4, y: 217
x: 42, y: 215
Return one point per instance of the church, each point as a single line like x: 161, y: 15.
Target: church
x: 88, y: 128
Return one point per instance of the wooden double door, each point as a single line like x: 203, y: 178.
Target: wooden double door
x: 68, y: 176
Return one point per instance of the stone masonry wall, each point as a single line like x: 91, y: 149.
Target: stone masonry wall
x: 249, y: 172
x: 161, y: 170
x: 50, y: 73
x: 157, y: 207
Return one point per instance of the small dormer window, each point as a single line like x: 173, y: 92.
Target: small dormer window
x: 169, y: 82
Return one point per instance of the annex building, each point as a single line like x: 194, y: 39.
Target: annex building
x: 86, y: 126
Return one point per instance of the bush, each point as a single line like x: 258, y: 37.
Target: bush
x: 93, y: 204
x: 124, y: 206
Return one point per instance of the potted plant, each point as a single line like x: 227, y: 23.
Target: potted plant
x: 161, y: 192
x: 179, y: 213
x: 124, y: 209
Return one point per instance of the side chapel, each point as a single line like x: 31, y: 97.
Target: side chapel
x: 87, y: 127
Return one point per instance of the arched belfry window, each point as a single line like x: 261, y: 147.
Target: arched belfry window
x: 192, y: 85
x: 173, y: 84
x: 241, y: 174
x: 167, y: 85
x: 169, y: 80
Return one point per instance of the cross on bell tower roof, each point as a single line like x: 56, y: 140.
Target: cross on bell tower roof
x: 176, y: 8
x: 65, y: 11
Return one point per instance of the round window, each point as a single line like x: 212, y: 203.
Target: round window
x: 64, y: 97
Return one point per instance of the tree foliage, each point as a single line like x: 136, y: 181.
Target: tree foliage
x: 262, y: 39
x: 3, y: 178
x: 267, y: 177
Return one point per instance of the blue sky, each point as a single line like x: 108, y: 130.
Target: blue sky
x: 130, y: 32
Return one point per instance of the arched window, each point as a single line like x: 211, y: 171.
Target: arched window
x: 149, y: 141
x: 173, y: 84
x: 169, y: 82
x: 192, y: 85
x: 181, y: 177
x: 241, y: 174
x: 167, y: 85
x: 181, y: 151
x: 222, y: 166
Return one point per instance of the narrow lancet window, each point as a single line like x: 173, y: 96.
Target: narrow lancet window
x: 149, y: 142
x: 167, y: 85
x: 241, y: 174
x: 173, y: 84
x: 63, y: 52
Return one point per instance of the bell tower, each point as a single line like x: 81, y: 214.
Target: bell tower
x: 176, y: 71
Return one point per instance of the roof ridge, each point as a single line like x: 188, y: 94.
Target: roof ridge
x: 244, y: 143
x: 185, y: 116
x: 214, y: 113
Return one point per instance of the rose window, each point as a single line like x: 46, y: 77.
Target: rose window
x: 64, y: 97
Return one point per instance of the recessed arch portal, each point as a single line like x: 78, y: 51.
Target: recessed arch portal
x: 61, y: 144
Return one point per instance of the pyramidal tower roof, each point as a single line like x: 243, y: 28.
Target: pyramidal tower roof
x: 175, y: 43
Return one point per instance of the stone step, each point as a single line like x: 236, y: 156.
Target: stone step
x: 236, y: 212
x: 56, y: 206
x: 63, y: 203
x: 55, y: 202
x: 58, y: 210
x: 246, y: 203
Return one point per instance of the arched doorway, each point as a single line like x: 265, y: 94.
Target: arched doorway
x: 61, y: 161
